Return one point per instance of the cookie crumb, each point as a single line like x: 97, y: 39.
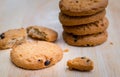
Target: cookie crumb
x: 111, y: 43
x: 66, y: 50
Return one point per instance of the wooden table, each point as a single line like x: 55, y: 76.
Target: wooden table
x: 23, y: 13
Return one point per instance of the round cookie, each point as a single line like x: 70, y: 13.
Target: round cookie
x: 81, y: 63
x: 36, y: 55
x: 42, y: 33
x: 74, y: 21
x: 85, y: 40
x: 12, y: 37
x: 91, y: 28
x: 82, y: 7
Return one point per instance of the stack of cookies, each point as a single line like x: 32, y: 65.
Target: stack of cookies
x: 84, y: 21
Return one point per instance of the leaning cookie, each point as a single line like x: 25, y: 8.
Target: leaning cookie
x: 42, y: 33
x: 91, y: 28
x: 82, y: 7
x: 81, y: 63
x: 36, y: 55
x: 74, y: 21
x: 85, y: 40
x: 12, y: 37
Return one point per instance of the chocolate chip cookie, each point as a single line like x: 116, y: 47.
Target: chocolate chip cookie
x: 91, y: 28
x: 81, y: 63
x: 74, y: 21
x: 36, y: 55
x: 12, y: 37
x: 42, y: 33
x: 82, y: 7
x: 85, y: 40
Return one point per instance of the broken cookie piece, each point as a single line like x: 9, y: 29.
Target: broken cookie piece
x: 42, y: 33
x: 12, y: 37
x: 81, y: 63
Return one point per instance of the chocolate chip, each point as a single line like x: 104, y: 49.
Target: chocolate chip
x: 88, y: 60
x: 2, y: 36
x: 82, y: 57
x: 47, y: 62
x: 39, y: 60
x: 88, y: 45
x: 102, y: 24
x: 75, y: 38
x: 76, y: 1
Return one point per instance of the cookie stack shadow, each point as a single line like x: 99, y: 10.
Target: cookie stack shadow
x: 84, y: 22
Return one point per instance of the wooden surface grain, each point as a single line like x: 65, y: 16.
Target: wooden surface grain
x: 22, y: 13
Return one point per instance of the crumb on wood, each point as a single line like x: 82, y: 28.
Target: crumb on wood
x: 111, y: 43
x: 66, y: 50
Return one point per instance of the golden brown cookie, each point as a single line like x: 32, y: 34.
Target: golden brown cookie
x: 85, y: 40
x: 81, y: 63
x: 82, y: 7
x: 42, y: 33
x: 12, y: 37
x: 74, y: 21
x: 91, y: 28
x: 36, y: 55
